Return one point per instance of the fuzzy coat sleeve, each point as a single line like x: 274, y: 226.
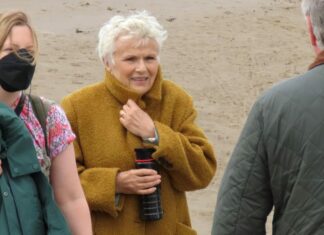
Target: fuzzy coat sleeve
x: 184, y: 150
x: 98, y: 183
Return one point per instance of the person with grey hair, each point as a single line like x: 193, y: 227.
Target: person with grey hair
x: 134, y: 110
x: 278, y: 161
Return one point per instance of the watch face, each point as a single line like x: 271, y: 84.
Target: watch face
x: 150, y: 139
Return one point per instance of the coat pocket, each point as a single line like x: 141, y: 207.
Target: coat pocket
x: 183, y: 229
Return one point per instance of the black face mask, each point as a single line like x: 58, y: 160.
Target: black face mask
x: 16, y: 72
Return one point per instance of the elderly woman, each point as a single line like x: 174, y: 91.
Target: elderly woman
x: 134, y: 107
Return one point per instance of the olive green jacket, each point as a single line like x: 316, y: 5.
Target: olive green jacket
x: 278, y: 163
x: 27, y: 204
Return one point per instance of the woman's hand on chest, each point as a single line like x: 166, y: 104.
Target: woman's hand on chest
x: 136, y: 120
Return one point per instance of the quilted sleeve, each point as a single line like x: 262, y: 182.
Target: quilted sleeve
x: 244, y: 199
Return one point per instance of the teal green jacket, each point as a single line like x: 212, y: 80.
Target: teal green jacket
x: 27, y: 205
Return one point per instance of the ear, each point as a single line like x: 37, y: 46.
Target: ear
x: 312, y: 35
x: 311, y: 31
x: 107, y: 68
x: 107, y: 65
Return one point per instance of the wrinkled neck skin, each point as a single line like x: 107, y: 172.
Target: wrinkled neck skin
x: 8, y: 97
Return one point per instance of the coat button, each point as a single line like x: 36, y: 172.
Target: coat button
x: 5, y: 194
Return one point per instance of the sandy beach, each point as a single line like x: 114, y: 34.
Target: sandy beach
x: 224, y: 53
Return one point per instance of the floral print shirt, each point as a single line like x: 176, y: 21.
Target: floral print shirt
x: 58, y: 129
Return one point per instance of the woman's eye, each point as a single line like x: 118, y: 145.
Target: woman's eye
x: 150, y: 58
x: 7, y: 49
x: 130, y: 59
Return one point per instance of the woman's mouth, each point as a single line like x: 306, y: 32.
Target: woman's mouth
x: 139, y: 78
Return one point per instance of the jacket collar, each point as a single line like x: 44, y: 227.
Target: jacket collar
x: 123, y: 93
x: 318, y: 60
x: 16, y: 144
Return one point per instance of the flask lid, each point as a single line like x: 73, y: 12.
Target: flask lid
x: 144, y: 153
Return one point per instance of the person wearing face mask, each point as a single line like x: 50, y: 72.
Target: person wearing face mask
x: 17, y: 70
x: 18, y: 55
x: 135, y: 108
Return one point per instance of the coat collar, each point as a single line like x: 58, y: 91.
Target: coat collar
x: 123, y: 93
x: 16, y: 144
x: 318, y: 60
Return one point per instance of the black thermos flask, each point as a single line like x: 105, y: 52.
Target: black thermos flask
x: 150, y: 204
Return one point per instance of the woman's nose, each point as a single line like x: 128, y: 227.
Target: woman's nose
x: 141, y: 65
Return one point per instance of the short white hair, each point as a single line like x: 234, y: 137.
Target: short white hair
x: 140, y: 25
x: 315, y: 10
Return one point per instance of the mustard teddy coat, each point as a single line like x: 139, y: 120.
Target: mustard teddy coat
x: 104, y: 147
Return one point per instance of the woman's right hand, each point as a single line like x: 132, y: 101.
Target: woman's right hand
x: 137, y: 181
x: 0, y: 168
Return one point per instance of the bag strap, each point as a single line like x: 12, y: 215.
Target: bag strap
x: 20, y: 104
x: 41, y: 109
